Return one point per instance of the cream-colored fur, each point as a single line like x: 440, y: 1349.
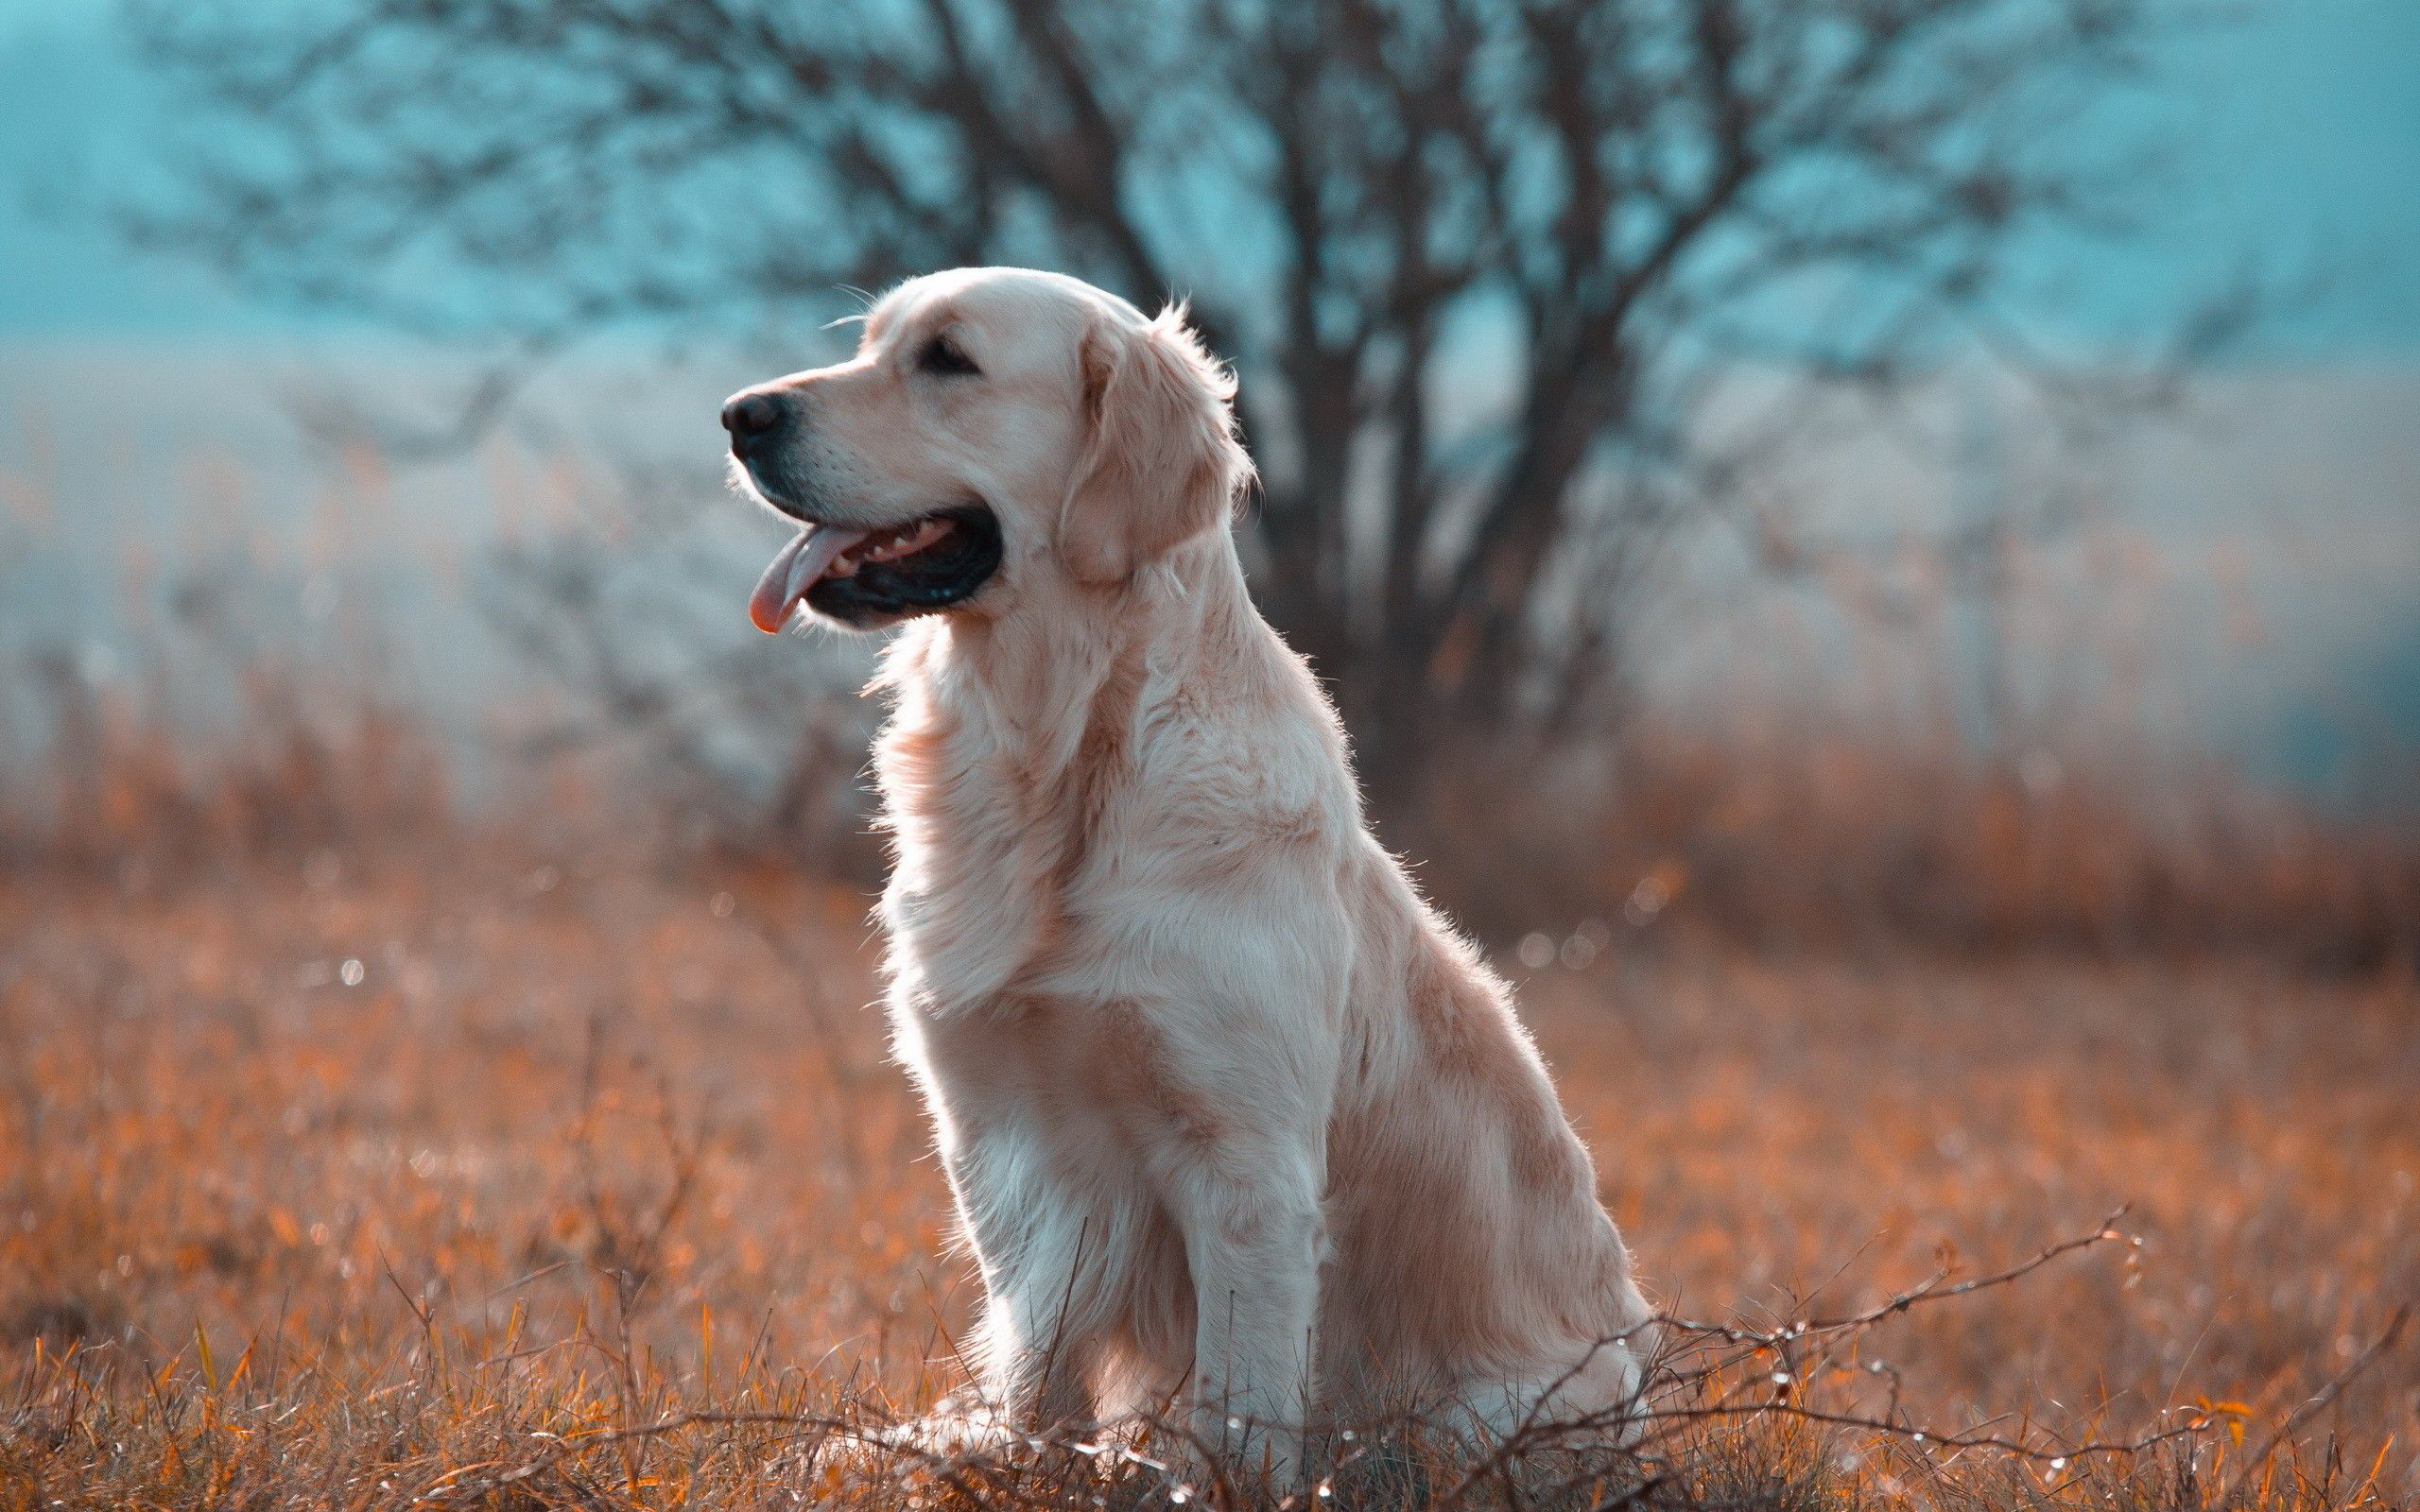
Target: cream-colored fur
x: 1233, y: 1120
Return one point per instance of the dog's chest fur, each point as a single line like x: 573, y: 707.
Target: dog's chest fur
x: 1085, y: 868
x: 1056, y: 838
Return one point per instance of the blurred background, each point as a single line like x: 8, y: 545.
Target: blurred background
x: 1943, y: 466
x: 1870, y: 549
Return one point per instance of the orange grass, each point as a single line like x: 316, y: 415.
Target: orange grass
x: 512, y: 1174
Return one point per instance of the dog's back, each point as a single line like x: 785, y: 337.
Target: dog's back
x: 1473, y: 1260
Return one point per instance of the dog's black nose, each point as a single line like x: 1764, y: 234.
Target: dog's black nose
x: 750, y: 417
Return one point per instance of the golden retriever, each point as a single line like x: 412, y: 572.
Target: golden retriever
x: 1233, y: 1119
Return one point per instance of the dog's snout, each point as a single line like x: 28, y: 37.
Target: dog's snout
x: 752, y: 419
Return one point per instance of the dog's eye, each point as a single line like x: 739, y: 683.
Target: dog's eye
x: 941, y: 355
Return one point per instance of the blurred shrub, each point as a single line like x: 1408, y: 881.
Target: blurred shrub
x: 1775, y: 835
x: 1836, y: 840
x: 302, y: 768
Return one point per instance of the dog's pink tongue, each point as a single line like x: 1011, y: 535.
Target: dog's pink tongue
x: 794, y: 571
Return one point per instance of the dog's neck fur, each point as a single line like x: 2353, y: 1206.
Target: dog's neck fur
x: 1013, y: 738
x: 1043, y: 678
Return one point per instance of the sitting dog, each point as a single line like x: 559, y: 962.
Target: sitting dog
x: 1233, y: 1119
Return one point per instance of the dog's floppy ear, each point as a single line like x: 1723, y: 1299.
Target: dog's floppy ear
x: 1161, y: 462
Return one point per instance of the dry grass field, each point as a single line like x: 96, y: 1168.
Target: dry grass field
x: 528, y: 1173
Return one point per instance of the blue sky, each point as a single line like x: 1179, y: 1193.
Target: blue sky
x: 2297, y: 137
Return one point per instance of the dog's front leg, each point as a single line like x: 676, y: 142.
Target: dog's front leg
x: 1043, y: 1255
x: 1249, y: 1210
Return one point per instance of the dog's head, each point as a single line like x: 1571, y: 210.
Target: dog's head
x: 999, y: 433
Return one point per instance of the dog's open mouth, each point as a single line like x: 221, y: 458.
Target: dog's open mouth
x: 858, y: 576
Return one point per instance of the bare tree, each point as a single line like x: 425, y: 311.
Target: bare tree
x: 1482, y: 264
